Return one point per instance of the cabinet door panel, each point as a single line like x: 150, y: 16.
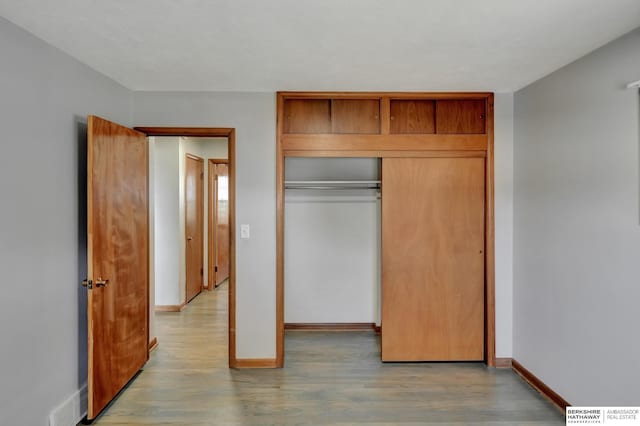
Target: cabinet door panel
x: 355, y: 116
x: 307, y: 116
x: 460, y: 116
x: 412, y: 116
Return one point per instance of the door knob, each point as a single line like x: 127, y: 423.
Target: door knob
x: 189, y: 238
x: 87, y: 283
x: 101, y: 283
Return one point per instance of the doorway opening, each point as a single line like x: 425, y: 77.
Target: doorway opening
x: 121, y: 256
x: 206, y: 231
x: 189, y: 206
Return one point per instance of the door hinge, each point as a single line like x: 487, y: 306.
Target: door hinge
x: 215, y: 269
x: 201, y: 175
x: 201, y: 271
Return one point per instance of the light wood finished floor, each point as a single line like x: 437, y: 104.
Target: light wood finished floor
x: 329, y: 378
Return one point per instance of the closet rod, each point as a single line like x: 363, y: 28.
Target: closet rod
x: 330, y: 187
x: 332, y: 184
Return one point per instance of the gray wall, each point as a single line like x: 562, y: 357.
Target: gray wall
x: 45, y: 96
x: 577, y: 227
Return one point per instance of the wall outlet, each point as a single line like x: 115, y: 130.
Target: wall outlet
x: 245, y: 231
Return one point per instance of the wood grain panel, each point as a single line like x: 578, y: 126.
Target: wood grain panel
x: 424, y: 142
x: 432, y: 259
x: 461, y: 116
x: 307, y: 116
x: 222, y: 223
x: 361, y: 116
x: 413, y: 116
x: 118, y: 252
x: 194, y: 225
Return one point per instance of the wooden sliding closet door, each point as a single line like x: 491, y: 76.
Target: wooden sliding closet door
x: 433, y: 259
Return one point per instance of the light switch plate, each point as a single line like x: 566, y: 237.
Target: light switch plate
x: 245, y: 231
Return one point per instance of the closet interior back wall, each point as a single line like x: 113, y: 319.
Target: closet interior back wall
x: 332, y: 244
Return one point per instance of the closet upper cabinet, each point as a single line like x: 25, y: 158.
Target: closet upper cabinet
x: 331, y: 116
x: 461, y: 116
x: 307, y: 116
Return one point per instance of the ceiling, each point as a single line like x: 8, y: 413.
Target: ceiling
x: 268, y: 45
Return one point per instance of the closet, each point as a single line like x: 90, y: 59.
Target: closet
x: 436, y: 190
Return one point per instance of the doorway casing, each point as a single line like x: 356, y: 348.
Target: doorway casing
x: 230, y: 134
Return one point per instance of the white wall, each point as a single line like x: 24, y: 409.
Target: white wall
x: 253, y: 116
x: 166, y: 236
x: 332, y: 244
x: 577, y: 227
x: 45, y: 98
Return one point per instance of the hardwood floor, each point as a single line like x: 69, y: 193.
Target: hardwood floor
x: 329, y: 378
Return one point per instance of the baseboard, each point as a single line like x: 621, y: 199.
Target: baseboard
x: 540, y: 386
x: 330, y: 326
x: 71, y: 411
x: 170, y: 308
x: 153, y: 344
x: 503, y: 362
x: 254, y: 363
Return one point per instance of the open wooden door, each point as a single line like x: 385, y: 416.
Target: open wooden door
x: 222, y: 223
x: 118, y: 280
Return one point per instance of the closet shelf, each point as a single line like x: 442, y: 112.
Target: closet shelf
x: 332, y: 184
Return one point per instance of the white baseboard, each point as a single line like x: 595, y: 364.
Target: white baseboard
x: 70, y: 412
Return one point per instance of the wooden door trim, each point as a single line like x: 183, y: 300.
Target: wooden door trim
x: 187, y: 299
x: 230, y: 134
x: 490, y: 262
x: 194, y: 157
x: 323, y: 151
x: 211, y: 216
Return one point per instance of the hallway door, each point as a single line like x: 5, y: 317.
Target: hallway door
x: 194, y: 225
x: 117, y: 259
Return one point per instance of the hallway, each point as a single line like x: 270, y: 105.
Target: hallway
x: 329, y: 378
